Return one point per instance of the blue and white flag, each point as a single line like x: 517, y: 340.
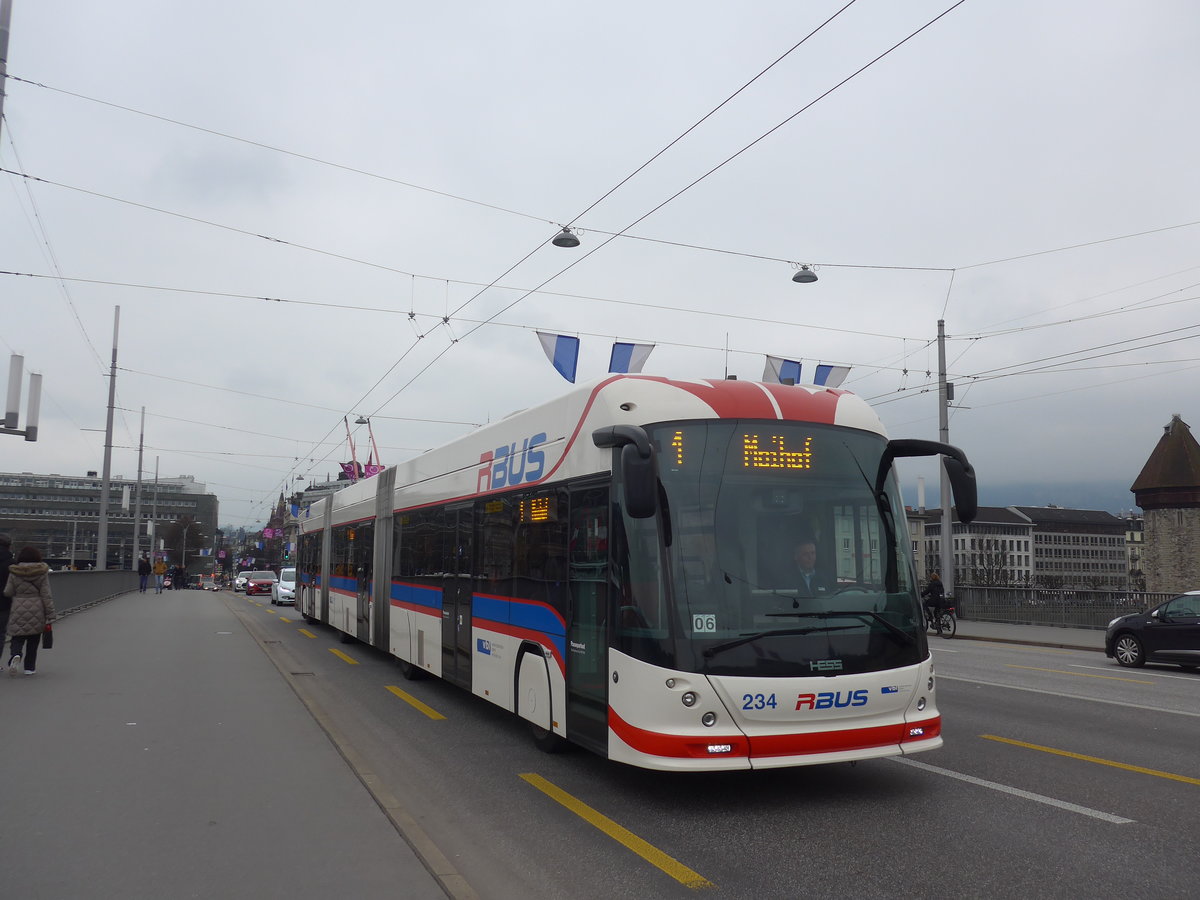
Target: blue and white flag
x: 831, y: 376
x: 295, y: 510
x: 781, y: 370
x: 207, y: 551
x: 628, y: 357
x: 563, y: 352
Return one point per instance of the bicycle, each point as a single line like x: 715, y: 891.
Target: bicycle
x: 944, y: 622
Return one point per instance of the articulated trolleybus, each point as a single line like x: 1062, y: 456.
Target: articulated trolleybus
x: 618, y: 568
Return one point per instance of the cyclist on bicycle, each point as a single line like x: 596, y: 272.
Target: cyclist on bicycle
x: 935, y: 597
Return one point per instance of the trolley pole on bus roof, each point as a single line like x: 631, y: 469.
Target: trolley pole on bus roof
x: 945, y: 395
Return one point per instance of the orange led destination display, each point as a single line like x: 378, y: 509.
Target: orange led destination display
x: 771, y: 452
x: 537, y: 509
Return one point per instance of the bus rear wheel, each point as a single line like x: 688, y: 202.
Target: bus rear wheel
x: 408, y: 671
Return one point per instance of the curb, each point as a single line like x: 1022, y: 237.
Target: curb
x: 1057, y: 645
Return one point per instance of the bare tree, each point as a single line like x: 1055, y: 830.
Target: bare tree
x: 184, y: 535
x: 990, y: 566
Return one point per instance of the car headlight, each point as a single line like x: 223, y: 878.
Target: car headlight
x: 1115, y: 621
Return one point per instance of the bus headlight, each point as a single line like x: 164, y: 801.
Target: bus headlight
x: 709, y: 719
x: 920, y: 704
x: 688, y: 698
x: 931, y: 682
x: 671, y: 683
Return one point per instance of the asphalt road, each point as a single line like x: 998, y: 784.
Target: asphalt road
x: 1063, y: 775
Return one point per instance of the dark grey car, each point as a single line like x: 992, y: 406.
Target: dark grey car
x: 1169, y: 633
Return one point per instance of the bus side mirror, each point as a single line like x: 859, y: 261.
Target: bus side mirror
x: 958, y: 469
x: 962, y: 482
x: 640, y: 482
x: 638, y: 472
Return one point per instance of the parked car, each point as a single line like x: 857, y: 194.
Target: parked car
x: 239, y: 583
x: 260, y: 583
x: 283, y: 592
x: 1169, y: 633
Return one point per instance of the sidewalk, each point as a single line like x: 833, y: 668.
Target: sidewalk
x: 1034, y: 635
x: 158, y: 752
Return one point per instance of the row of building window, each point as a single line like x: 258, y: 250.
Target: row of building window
x: 34, y: 512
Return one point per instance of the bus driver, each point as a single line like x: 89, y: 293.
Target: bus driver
x: 809, y: 581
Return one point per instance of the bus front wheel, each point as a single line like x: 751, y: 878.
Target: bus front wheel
x: 545, y: 739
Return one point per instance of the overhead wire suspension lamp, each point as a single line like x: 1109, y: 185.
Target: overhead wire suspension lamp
x: 804, y: 275
x: 565, y: 238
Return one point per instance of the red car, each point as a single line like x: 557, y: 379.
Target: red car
x: 260, y: 583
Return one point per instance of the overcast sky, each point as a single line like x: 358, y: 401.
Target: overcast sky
x: 433, y: 149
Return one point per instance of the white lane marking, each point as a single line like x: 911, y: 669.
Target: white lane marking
x: 1014, y: 687
x: 1017, y: 792
x: 943, y: 649
x: 1191, y: 678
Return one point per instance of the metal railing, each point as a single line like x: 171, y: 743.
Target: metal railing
x: 73, y: 591
x: 1064, y: 608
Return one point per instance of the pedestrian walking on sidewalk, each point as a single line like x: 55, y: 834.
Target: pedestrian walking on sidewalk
x: 160, y: 571
x: 6, y: 560
x: 32, y: 609
x: 143, y: 573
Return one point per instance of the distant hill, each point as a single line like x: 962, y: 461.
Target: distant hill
x: 1113, y: 498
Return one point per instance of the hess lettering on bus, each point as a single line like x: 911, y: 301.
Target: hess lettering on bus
x: 832, y: 700
x: 509, y: 466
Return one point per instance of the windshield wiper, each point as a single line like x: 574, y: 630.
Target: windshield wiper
x: 896, y: 631
x: 710, y: 652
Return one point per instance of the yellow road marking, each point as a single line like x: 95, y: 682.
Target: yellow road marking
x: 271, y: 611
x: 623, y: 836
x: 307, y: 633
x: 413, y: 701
x: 1080, y: 674
x: 342, y: 656
x: 1093, y: 759
x: 285, y: 619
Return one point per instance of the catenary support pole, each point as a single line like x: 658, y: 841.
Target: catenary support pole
x: 947, y: 542
x: 105, y: 485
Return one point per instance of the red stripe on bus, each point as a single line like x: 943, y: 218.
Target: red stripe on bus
x: 523, y: 634
x: 774, y: 745
x: 690, y: 747
x: 798, y: 403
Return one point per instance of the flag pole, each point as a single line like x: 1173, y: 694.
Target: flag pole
x: 353, y: 457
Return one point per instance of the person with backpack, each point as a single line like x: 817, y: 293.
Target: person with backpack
x: 935, y: 597
x: 143, y: 573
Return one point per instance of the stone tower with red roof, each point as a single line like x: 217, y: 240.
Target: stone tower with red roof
x: 1168, y: 491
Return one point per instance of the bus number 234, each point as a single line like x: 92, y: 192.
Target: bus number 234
x: 758, y: 701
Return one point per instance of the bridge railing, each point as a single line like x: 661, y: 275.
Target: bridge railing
x: 1036, y: 606
x: 73, y: 591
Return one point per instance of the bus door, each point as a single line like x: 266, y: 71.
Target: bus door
x: 457, y: 588
x: 364, y: 558
x: 587, y: 639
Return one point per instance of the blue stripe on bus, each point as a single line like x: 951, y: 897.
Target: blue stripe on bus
x: 528, y: 614
x: 414, y: 595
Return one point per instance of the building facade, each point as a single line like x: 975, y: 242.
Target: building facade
x: 995, y: 549
x: 60, y: 515
x: 1028, y: 546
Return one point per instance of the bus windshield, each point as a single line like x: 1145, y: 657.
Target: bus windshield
x: 771, y: 555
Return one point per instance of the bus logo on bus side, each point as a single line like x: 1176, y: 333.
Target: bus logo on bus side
x: 508, y: 467
x: 831, y: 700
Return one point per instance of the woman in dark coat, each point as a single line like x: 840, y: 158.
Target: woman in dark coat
x: 32, y: 608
